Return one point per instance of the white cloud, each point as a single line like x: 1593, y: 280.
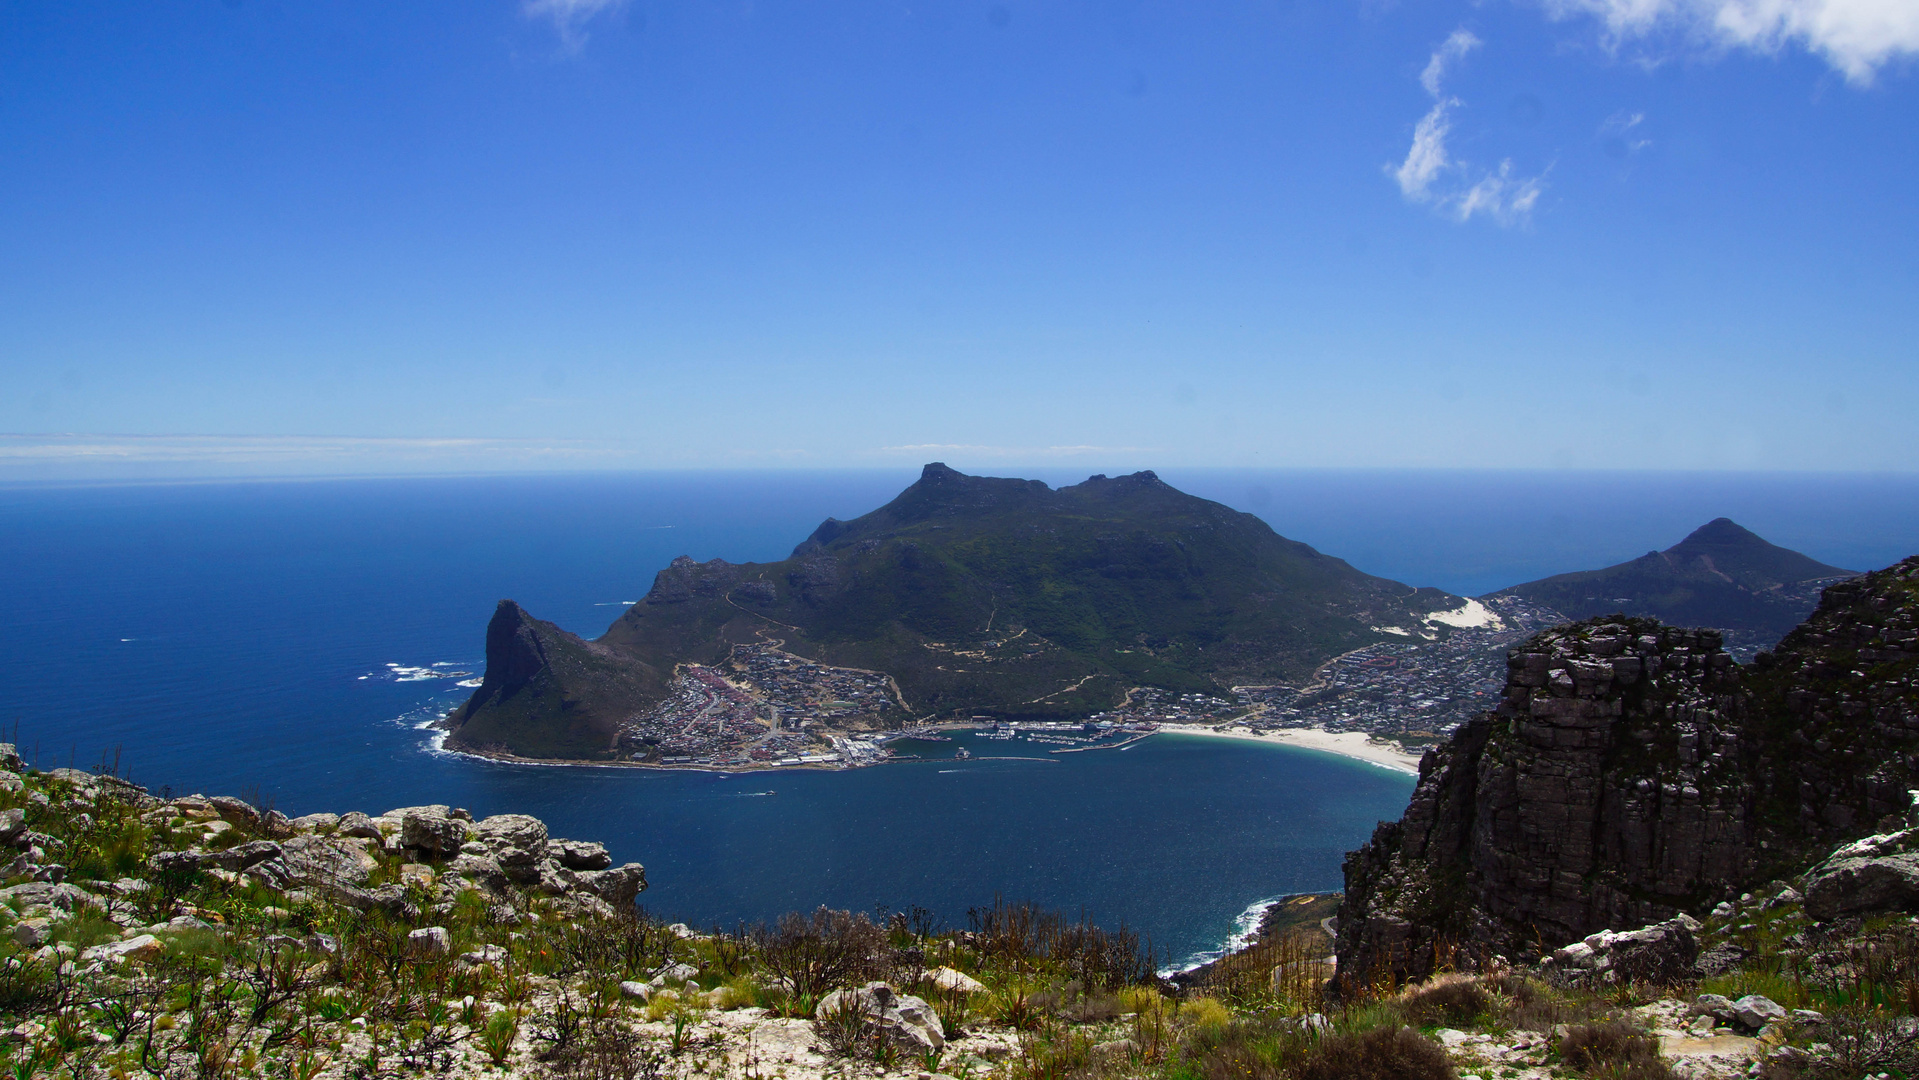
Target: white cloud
x: 1453, y: 49
x: 1505, y: 198
x: 1426, y: 159
x: 1619, y: 135
x: 1430, y: 174
x: 1858, y: 37
x: 569, y: 17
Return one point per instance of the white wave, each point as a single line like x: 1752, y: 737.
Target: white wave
x: 1245, y: 929
x: 126, y: 639
x: 469, y: 683
x: 404, y: 673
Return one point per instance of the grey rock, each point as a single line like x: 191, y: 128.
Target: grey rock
x: 1717, y: 1006
x: 493, y: 955
x: 618, y: 886
x: 241, y: 856
x: 13, y: 824
x: 578, y: 854
x: 431, y: 829
x: 357, y: 824
x: 1851, y: 885
x: 639, y: 990
x: 236, y: 812
x: 482, y: 870
x: 907, y: 1022
x: 516, y: 841
x: 1754, y: 1011
x: 32, y: 933
x: 675, y: 973
x: 326, y: 862
x: 1662, y: 952
x: 315, y: 822
x: 429, y: 941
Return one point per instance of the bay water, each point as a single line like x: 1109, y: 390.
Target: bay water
x: 288, y: 640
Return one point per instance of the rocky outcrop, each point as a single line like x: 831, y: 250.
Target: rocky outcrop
x: 1632, y: 772
x: 549, y: 694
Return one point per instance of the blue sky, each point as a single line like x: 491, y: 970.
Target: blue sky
x: 580, y: 233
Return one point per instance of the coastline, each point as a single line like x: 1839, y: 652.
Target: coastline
x: 1347, y: 744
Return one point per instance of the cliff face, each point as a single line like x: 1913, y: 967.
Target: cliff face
x: 1633, y: 771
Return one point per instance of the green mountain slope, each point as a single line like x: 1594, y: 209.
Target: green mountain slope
x: 977, y: 594
x: 1722, y: 576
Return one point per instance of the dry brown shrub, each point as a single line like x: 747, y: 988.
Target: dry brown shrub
x: 1380, y: 1054
x: 1445, y: 1001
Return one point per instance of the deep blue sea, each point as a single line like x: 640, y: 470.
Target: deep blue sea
x: 238, y: 637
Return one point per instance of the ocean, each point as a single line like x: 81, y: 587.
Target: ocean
x: 288, y: 640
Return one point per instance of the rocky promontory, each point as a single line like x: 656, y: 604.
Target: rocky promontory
x: 1633, y: 772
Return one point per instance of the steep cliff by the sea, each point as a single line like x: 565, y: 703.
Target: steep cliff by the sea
x: 1634, y: 771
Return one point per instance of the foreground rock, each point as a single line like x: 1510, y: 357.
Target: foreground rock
x: 907, y: 1022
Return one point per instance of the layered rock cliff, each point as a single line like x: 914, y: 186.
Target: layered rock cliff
x: 1634, y: 771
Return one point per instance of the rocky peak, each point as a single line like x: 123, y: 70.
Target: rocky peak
x: 1633, y: 771
x: 514, y: 653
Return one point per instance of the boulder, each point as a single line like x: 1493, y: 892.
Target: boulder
x: 325, y: 862
x: 32, y: 933
x: 429, y: 941
x: 1662, y: 952
x: 56, y: 896
x: 492, y: 955
x: 432, y: 829
x: 578, y: 854
x: 241, y: 856
x: 952, y: 981
x: 143, y: 947
x: 236, y: 812
x: 675, y: 973
x: 482, y: 870
x: 1849, y: 885
x: 617, y: 886
x: 907, y: 1022
x: 1754, y: 1012
x: 13, y: 825
x: 315, y: 822
x: 516, y: 841
x: 1717, y: 1006
x: 357, y: 824
x: 639, y: 990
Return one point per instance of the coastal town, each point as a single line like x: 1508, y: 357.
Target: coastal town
x: 765, y: 707
x: 1412, y: 693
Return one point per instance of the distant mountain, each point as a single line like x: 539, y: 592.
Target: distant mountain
x: 1722, y: 576
x: 977, y: 595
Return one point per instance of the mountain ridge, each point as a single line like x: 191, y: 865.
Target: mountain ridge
x: 1721, y: 575
x: 974, y: 594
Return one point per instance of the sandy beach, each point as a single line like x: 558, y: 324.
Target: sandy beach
x: 1350, y: 744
